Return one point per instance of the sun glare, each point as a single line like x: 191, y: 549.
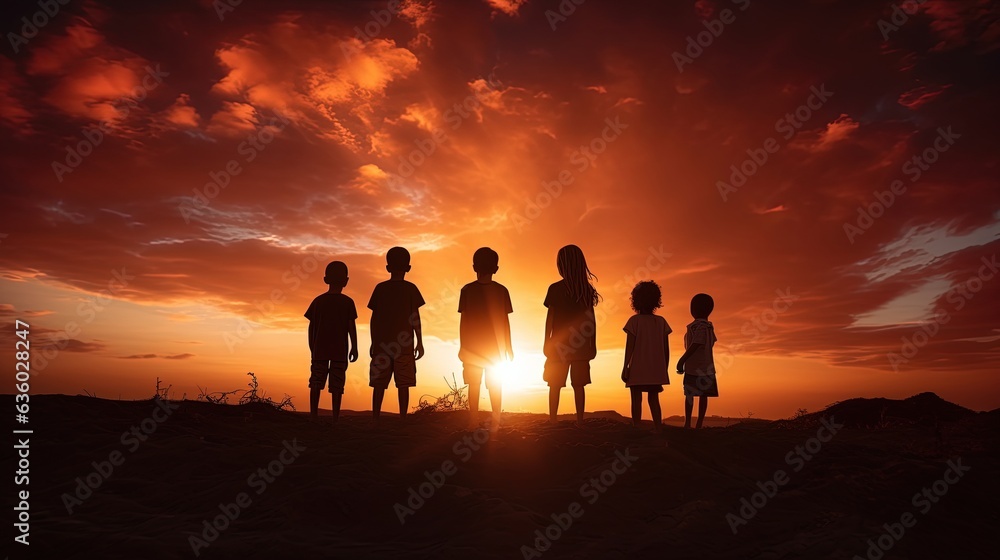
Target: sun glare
x: 524, y: 372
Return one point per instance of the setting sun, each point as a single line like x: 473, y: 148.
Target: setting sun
x: 523, y: 373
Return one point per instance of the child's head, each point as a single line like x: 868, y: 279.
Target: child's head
x: 397, y: 260
x: 336, y: 274
x: 646, y: 297
x: 573, y: 268
x: 485, y: 261
x: 702, y: 306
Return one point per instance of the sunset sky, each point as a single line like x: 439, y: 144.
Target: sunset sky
x: 445, y: 126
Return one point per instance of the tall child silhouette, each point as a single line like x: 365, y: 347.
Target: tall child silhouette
x: 699, y: 375
x: 397, y: 339
x: 331, y: 324
x: 570, y: 329
x: 484, y: 333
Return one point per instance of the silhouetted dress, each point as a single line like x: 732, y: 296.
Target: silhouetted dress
x: 648, y: 367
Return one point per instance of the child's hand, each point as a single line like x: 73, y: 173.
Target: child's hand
x: 510, y: 354
x: 418, y: 352
x: 353, y: 355
x: 625, y: 373
x: 680, y: 368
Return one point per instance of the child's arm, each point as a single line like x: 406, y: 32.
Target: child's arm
x: 548, y: 333
x: 666, y: 349
x: 312, y: 335
x: 692, y: 348
x: 629, y: 349
x: 418, y: 351
x: 352, y: 332
x: 510, y: 344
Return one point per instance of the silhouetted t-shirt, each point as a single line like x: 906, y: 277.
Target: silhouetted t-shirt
x: 331, y: 315
x: 649, y: 356
x: 484, y: 325
x: 701, y: 362
x: 574, y: 327
x: 394, y: 305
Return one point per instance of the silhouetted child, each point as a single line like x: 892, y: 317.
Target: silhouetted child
x: 699, y: 377
x: 484, y: 333
x: 647, y: 352
x: 395, y: 326
x: 331, y: 323
x: 570, y: 329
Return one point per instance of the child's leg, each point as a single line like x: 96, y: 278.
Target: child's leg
x: 336, y: 400
x: 654, y: 409
x: 688, y: 405
x: 473, y: 377
x: 474, y: 402
x: 314, y: 401
x: 702, y: 408
x: 636, y: 406
x: 377, y: 394
x: 496, y: 396
x: 581, y: 399
x: 553, y: 403
x: 404, y: 401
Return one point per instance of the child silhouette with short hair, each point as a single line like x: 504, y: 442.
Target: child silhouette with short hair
x: 570, y: 329
x: 484, y: 333
x: 331, y: 325
x: 699, y: 376
x: 647, y: 352
x: 395, y: 327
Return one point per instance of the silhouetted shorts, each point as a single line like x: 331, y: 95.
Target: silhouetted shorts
x: 473, y: 376
x: 700, y: 385
x: 385, y: 366
x: 557, y: 371
x: 335, y: 370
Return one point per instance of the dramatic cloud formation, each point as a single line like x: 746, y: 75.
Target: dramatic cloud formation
x: 172, y: 179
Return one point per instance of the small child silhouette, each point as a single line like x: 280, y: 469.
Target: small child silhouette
x: 331, y: 324
x: 570, y: 329
x: 484, y: 333
x: 647, y: 352
x: 395, y: 326
x: 699, y: 379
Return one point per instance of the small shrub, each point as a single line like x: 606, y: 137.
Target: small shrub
x: 454, y: 399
